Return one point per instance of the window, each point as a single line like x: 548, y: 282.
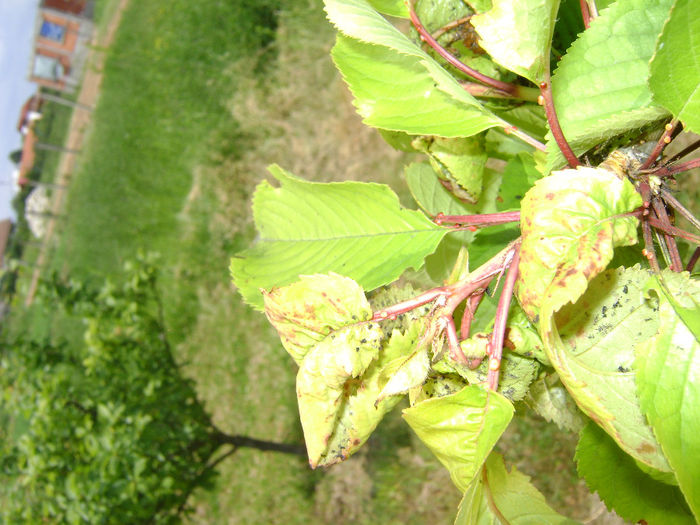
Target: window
x: 47, y: 67
x: 52, y: 31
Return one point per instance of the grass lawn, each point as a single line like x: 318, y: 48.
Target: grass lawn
x: 194, y: 105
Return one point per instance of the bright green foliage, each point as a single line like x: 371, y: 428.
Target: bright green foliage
x: 625, y: 488
x: 307, y: 311
x: 461, y: 429
x: 569, y: 228
x: 608, y: 350
x: 600, y: 85
x: 113, y: 432
x: 669, y: 382
x: 592, y: 347
x: 347, y: 219
x: 518, y: 35
x: 498, y: 496
x: 391, y: 7
x: 675, y: 68
x: 397, y: 86
x: 397, y: 92
x: 458, y: 162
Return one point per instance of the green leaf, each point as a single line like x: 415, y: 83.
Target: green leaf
x: 391, y: 7
x: 351, y: 228
x: 550, y: 399
x: 623, y: 487
x: 407, y: 373
x: 518, y: 35
x: 458, y: 162
x: 323, y: 384
x: 461, y: 429
x: 519, y: 176
x: 305, y: 312
x: 498, y: 496
x: 668, y: 379
x: 599, y: 87
x: 675, y: 69
x: 591, y: 345
x: 397, y: 85
x: 570, y: 224
x: 395, y: 91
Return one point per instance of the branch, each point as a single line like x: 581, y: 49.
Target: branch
x: 693, y: 259
x: 664, y: 140
x: 484, y: 219
x: 547, y: 100
x: 665, y: 171
x: 672, y: 230
x: 676, y: 205
x: 506, y: 87
x: 499, y: 327
x: 585, y: 14
x: 675, y: 262
x: 685, y: 151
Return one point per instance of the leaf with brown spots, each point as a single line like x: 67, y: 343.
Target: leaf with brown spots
x: 570, y: 223
x: 327, y: 377
x: 308, y: 310
x: 669, y: 379
x: 591, y: 344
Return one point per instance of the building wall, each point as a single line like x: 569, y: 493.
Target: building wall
x: 63, y: 30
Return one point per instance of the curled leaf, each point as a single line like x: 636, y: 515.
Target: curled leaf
x: 461, y: 429
x: 571, y: 222
x: 305, y: 312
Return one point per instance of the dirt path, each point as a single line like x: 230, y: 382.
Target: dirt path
x: 77, y: 132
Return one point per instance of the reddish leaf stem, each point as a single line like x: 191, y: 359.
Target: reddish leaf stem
x: 455, y: 350
x: 499, y: 327
x: 663, y: 141
x: 468, y: 316
x: 676, y: 264
x: 667, y: 171
x: 685, y: 151
x: 693, y: 259
x: 548, y: 101
x: 648, y: 251
x: 672, y: 230
x: 485, y: 219
x: 676, y: 205
x: 395, y: 310
x: 452, y: 25
x: 585, y: 13
x: 506, y: 87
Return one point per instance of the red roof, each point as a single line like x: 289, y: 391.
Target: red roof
x: 74, y: 7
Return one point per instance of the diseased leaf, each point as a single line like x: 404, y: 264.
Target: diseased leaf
x: 623, y: 487
x: 518, y: 35
x: 599, y: 87
x: 461, y: 429
x: 434, y: 14
x: 550, y: 399
x: 570, y: 224
x: 516, y: 373
x: 305, y: 312
x: 361, y: 411
x: 498, y: 496
x: 324, y: 382
x: 410, y: 369
x: 437, y: 386
x: 591, y: 345
x: 352, y: 228
x: 668, y: 379
x: 675, y: 69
